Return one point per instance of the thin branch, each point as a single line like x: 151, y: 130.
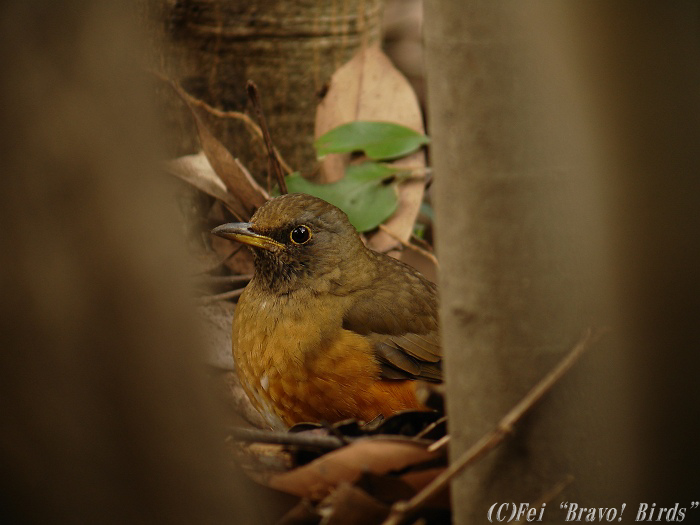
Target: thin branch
x: 402, y: 509
x: 444, y: 440
x: 221, y: 296
x: 273, y: 164
x: 252, y: 127
x: 422, y: 243
x: 410, y: 246
x: 287, y: 438
x: 430, y: 427
x: 225, y: 279
x: 335, y: 432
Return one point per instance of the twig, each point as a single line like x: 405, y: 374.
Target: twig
x: 402, y: 509
x: 253, y: 128
x: 422, y: 243
x: 221, y: 296
x: 287, y: 438
x: 226, y: 279
x: 335, y: 432
x: 273, y: 164
x: 430, y: 427
x: 444, y: 440
x: 418, y: 249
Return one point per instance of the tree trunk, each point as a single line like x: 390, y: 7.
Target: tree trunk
x: 106, y: 417
x: 289, y: 49
x: 521, y: 246
x: 643, y: 79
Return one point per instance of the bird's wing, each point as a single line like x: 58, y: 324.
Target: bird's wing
x: 409, y: 356
x: 399, y: 314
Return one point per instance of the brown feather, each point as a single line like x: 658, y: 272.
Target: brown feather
x: 403, y: 326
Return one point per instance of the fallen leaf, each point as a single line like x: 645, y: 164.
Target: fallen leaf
x: 349, y: 505
x: 238, y: 181
x: 366, y: 193
x: 196, y: 170
x: 248, y: 194
x: 387, y: 489
x: 369, y: 87
x: 378, y: 455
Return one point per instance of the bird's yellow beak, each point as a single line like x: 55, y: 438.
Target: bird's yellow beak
x: 242, y: 232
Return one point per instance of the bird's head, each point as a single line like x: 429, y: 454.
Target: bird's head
x: 296, y: 240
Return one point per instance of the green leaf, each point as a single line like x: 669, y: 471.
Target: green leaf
x: 379, y: 140
x: 419, y: 230
x: 367, y: 193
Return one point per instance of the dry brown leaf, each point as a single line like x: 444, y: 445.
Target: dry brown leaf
x: 248, y: 193
x: 369, y: 87
x: 196, y: 170
x: 349, y: 505
x: 238, y: 181
x: 377, y: 455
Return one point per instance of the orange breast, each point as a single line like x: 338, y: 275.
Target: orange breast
x: 342, y: 382
x: 296, y: 369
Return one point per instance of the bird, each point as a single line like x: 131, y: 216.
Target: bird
x: 328, y: 329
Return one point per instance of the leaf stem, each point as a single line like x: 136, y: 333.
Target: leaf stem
x: 272, y: 163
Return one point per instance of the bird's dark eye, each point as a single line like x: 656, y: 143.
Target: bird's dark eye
x: 300, y: 234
